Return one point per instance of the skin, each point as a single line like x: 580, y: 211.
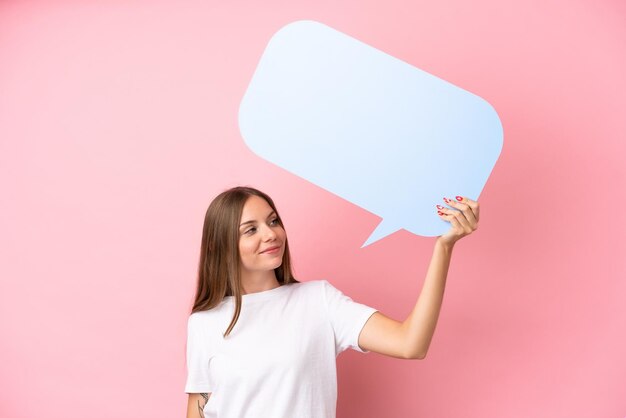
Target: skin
x: 411, y: 338
x: 196, y: 403
x: 259, y: 231
x: 408, y: 339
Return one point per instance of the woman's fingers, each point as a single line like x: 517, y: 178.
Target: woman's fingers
x: 463, y: 217
x: 458, y: 219
x: 474, y: 205
x: 457, y: 225
x: 469, y: 208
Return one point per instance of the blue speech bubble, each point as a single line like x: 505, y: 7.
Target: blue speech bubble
x: 368, y: 127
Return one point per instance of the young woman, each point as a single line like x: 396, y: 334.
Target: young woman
x: 262, y: 344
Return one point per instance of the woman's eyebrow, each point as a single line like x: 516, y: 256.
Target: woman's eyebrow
x: 253, y: 221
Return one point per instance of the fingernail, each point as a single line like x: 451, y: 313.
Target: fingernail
x: 446, y: 200
x: 440, y: 212
x: 440, y: 207
x: 459, y: 198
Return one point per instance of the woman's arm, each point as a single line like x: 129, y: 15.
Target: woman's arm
x: 196, y: 403
x: 411, y: 338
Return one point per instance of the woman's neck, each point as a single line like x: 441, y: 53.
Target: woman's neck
x: 259, y: 282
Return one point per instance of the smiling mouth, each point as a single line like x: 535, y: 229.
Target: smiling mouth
x: 271, y: 250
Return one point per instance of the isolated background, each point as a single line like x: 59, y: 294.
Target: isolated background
x: 118, y: 124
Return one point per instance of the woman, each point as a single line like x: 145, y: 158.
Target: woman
x: 262, y: 344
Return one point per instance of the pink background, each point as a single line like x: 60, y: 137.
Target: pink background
x: 118, y: 124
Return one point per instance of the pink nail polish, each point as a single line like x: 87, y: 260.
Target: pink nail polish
x: 459, y: 198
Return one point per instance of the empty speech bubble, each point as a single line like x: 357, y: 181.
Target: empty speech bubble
x: 368, y: 127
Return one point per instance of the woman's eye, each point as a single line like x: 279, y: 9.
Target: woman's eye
x: 249, y: 231
x: 274, y: 221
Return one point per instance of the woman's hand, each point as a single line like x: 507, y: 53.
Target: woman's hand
x: 463, y: 218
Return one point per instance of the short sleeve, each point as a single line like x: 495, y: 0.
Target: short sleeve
x: 346, y: 317
x: 198, y: 356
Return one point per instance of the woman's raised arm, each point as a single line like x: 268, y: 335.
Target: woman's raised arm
x: 411, y: 338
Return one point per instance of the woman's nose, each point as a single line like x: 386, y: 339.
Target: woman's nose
x: 269, y: 234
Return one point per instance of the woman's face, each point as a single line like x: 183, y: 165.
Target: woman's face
x: 261, y: 237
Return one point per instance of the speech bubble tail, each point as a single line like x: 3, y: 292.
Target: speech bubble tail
x: 382, y: 230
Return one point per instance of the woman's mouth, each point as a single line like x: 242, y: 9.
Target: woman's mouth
x: 271, y: 250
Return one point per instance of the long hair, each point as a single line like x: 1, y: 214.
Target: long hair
x: 219, y: 272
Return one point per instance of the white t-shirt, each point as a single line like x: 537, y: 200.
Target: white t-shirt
x: 279, y: 360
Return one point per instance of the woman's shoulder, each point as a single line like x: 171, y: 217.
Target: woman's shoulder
x: 314, y: 284
x: 309, y: 284
x: 309, y: 287
x: 206, y: 316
